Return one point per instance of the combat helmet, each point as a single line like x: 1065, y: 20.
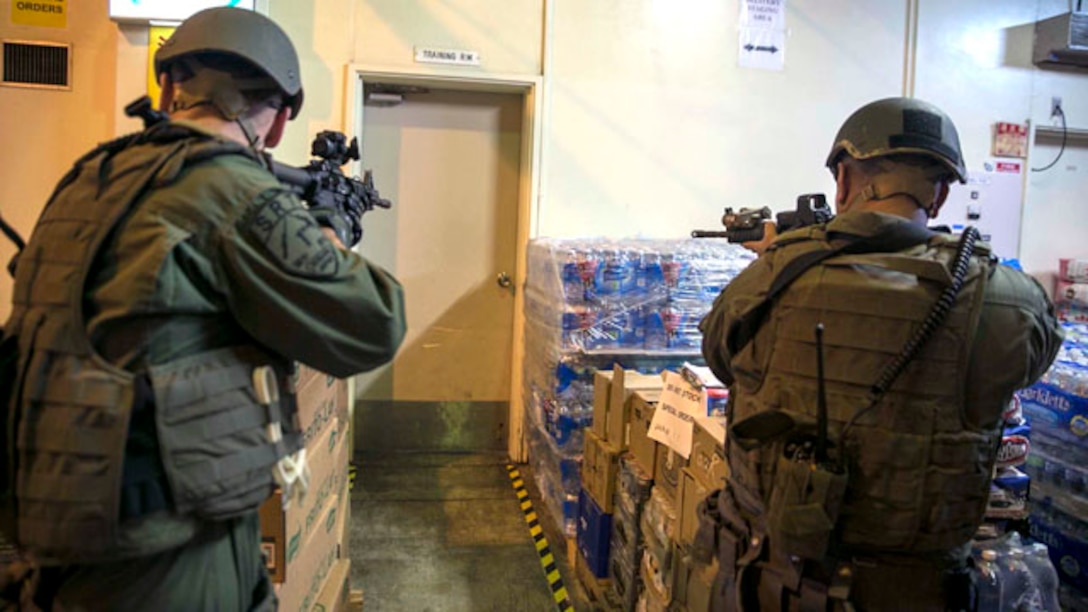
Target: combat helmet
x: 245, y: 34
x: 896, y: 126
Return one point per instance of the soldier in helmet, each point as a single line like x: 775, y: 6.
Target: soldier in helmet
x: 871, y: 500
x: 159, y: 305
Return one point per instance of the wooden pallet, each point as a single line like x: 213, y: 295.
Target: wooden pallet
x: 598, y: 590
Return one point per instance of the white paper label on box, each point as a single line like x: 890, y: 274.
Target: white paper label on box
x: 680, y: 404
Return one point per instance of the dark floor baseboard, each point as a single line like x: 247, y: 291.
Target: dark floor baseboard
x: 410, y: 426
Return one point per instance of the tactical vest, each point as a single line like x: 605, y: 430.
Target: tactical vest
x: 916, y: 477
x: 71, y: 408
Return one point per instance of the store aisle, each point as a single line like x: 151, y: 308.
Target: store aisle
x: 438, y: 532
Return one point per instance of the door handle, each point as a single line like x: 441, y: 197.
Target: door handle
x: 505, y: 282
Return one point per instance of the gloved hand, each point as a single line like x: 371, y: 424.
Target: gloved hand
x: 343, y: 216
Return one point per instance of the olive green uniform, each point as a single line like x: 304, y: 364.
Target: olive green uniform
x: 222, y: 255
x: 918, y: 464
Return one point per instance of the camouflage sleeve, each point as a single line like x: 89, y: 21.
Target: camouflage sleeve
x: 291, y: 288
x: 1017, y: 339
x: 739, y: 296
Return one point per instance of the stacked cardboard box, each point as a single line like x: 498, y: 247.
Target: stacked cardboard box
x: 304, y: 538
x: 654, y: 497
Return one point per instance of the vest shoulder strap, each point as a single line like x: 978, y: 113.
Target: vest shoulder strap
x: 895, y: 238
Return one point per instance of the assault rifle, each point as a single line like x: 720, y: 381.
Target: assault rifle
x: 746, y: 225
x: 321, y: 183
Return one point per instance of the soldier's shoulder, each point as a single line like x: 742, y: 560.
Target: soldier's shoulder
x: 1015, y: 288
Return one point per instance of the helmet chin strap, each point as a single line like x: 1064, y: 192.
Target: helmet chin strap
x: 910, y: 182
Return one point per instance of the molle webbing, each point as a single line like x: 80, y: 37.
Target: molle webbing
x: 68, y: 488
x: 72, y: 415
x: 212, y: 433
x: 916, y: 473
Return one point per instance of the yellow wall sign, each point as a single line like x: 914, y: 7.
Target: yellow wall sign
x: 47, y: 13
x: 157, y: 35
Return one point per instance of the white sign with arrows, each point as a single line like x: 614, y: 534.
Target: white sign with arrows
x: 762, y: 39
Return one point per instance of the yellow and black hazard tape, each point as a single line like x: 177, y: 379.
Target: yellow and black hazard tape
x: 351, y: 476
x: 547, y: 559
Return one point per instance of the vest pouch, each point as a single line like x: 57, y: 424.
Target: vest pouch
x: 804, y: 506
x: 214, y: 432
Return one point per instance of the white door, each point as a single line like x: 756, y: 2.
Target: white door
x: 450, y: 163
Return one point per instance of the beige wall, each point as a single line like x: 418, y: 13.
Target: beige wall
x: 43, y: 131
x: 650, y: 127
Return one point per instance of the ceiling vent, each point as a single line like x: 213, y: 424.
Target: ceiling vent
x: 1062, y: 40
x: 43, y: 65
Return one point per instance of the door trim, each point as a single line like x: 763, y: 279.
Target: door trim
x: 530, y: 89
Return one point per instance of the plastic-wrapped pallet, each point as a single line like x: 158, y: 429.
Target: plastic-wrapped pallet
x: 594, y: 303
x: 1057, y: 409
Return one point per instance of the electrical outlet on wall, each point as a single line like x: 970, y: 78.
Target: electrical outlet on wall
x: 1055, y: 106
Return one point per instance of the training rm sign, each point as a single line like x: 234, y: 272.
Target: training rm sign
x: 47, y: 13
x: 167, y: 10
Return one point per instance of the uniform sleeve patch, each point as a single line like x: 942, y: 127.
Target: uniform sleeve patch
x: 288, y: 231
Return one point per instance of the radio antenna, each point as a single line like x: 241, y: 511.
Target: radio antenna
x: 821, y: 399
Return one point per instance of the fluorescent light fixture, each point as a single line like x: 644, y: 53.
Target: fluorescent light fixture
x: 145, y: 11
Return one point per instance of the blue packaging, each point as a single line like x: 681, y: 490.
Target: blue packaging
x: 1068, y: 549
x: 1009, y: 495
x: 617, y: 275
x: 1056, y: 412
x: 594, y: 534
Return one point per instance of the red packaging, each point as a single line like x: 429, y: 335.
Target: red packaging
x: 1073, y: 270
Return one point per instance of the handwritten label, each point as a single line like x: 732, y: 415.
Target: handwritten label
x: 674, y: 420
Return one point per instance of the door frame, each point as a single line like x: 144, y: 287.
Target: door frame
x: 529, y: 87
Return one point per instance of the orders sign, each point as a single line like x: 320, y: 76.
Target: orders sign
x: 47, y: 13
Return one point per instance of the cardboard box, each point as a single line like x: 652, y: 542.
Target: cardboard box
x: 285, y: 531
x: 314, y: 561
x: 600, y: 466
x: 320, y: 400
x: 692, y: 491
x: 668, y: 465
x: 335, y: 594
x: 303, y: 375
x: 602, y: 393
x: 643, y: 448
x: 594, y: 534
x: 624, y: 384
x: 707, y: 459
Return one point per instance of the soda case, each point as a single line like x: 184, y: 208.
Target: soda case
x: 1057, y: 410
x: 591, y: 304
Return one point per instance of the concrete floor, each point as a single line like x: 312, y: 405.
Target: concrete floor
x: 444, y: 532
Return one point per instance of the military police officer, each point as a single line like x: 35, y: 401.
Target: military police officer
x: 923, y: 340
x: 158, y: 306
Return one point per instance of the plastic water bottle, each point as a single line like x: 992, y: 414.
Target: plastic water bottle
x: 1018, y: 588
x: 570, y: 276
x: 989, y: 581
x: 1045, y: 575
